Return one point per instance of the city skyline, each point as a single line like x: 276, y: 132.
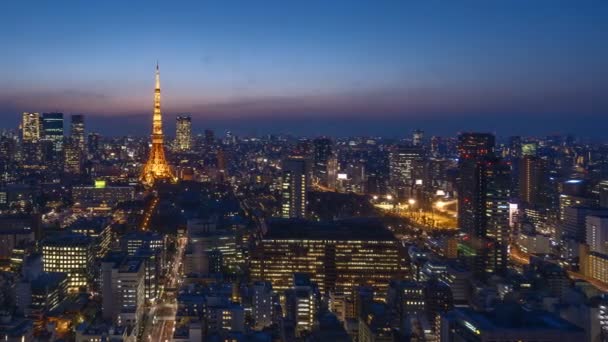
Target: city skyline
x: 315, y: 69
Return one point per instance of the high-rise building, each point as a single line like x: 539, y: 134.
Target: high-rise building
x: 123, y: 290
x: 262, y: 304
x: 30, y: 127
x: 52, y: 126
x: 157, y: 168
x: 417, y: 137
x: 302, y: 303
x: 532, y: 172
x: 322, y: 156
x: 483, y: 198
x: 183, y: 133
x: 72, y: 156
x: 338, y: 255
x: 93, y: 145
x: 472, y: 148
x: 71, y: 254
x: 294, y: 187
x: 597, y: 233
x: 77, y: 131
x: 404, y: 167
x: 209, y: 138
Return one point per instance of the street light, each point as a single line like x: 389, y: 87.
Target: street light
x: 389, y: 197
x: 411, y: 201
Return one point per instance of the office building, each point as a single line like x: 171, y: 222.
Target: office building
x: 532, y: 173
x: 101, y: 196
x: 93, y: 146
x: 123, y: 290
x: 30, y: 127
x: 52, y: 126
x: 323, y: 162
x: 77, y: 132
x: 484, y: 215
x: 183, y: 133
x: 73, y: 156
x: 417, y: 137
x: 405, y: 166
x: 71, y: 254
x: 294, y: 187
x: 262, y: 304
x: 597, y: 233
x: 302, y: 303
x: 338, y: 255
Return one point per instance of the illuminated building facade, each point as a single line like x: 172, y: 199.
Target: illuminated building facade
x: 404, y: 166
x: 157, y: 168
x: 123, y: 290
x: 302, y: 303
x: 324, y: 164
x: 71, y: 254
x: 338, y: 255
x: 294, y: 187
x: 52, y: 124
x: 72, y: 156
x: 77, y: 131
x: 30, y: 127
x: 100, y: 195
x: 183, y: 133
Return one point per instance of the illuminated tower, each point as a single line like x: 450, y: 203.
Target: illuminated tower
x: 156, y: 167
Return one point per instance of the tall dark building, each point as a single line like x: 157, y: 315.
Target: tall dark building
x: 77, y: 131
x: 472, y: 148
x: 322, y: 158
x: 294, y: 187
x: 209, y: 137
x: 93, y: 145
x: 483, y: 213
x: 532, y: 171
x: 52, y: 129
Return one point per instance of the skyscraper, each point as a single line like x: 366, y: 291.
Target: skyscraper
x: 52, y: 125
x: 157, y: 168
x: 417, y: 137
x: 93, y: 145
x: 183, y: 133
x: 30, y: 127
x: 483, y: 198
x: 294, y: 187
x: 323, y: 153
x: 531, y: 179
x: 77, y: 131
x: 402, y: 165
x: 472, y: 147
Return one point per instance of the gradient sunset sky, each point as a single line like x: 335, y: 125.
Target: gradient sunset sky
x: 313, y: 67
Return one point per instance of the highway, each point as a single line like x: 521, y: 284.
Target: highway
x: 161, y: 319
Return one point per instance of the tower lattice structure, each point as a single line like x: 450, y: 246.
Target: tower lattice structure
x: 157, y: 168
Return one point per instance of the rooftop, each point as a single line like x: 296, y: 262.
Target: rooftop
x: 345, y: 230
x: 512, y: 316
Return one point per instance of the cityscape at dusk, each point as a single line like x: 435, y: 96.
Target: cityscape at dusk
x: 341, y: 171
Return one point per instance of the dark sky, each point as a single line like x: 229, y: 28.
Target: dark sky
x: 313, y: 67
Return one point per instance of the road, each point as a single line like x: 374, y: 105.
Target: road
x: 161, y: 319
